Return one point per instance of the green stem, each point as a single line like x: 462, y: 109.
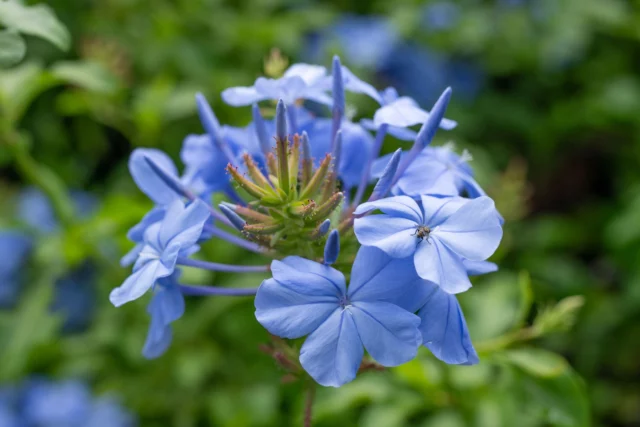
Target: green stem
x: 508, y: 339
x: 308, y: 405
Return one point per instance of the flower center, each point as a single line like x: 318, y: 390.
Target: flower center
x: 344, y: 302
x: 422, y: 232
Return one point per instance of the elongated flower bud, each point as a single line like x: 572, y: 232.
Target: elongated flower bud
x: 386, y: 180
x: 332, y: 248
x: 212, y: 127
x: 325, y: 209
x: 321, y: 230
x: 261, y: 130
x: 245, y: 184
x: 427, y: 132
x: 233, y: 217
x: 317, y: 179
x: 307, y: 161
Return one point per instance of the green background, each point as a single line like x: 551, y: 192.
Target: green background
x: 555, y: 134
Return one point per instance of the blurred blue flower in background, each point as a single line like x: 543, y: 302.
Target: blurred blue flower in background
x: 75, y: 294
x: 41, y: 402
x: 440, y: 15
x: 14, y: 252
x: 35, y: 210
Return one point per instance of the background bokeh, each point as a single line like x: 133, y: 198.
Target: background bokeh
x: 547, y: 94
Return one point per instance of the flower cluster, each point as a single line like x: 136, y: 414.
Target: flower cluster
x: 40, y: 402
x: 413, y: 225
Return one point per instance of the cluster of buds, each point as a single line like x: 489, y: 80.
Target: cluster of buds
x: 293, y: 201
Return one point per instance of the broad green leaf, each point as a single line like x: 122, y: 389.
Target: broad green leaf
x: 12, y: 48
x: 38, y: 21
x: 537, y: 362
x: 87, y: 75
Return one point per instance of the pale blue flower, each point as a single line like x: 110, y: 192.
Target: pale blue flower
x: 164, y: 242
x: 300, y: 81
x: 439, y: 233
x: 436, y: 171
x: 308, y: 298
x: 443, y: 327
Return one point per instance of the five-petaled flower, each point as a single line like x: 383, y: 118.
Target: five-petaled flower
x: 439, y: 233
x: 164, y: 242
x: 308, y: 298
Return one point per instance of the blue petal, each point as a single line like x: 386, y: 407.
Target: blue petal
x: 316, y: 278
x: 166, y: 306
x: 332, y: 353
x: 147, y: 180
x: 389, y: 333
x: 158, y: 340
x: 309, y: 73
x: 354, y: 84
x: 476, y: 268
x: 138, y: 283
x: 473, y: 231
x: 444, y: 330
x: 428, y: 175
x: 291, y: 312
x: 375, y: 276
x: 136, y: 233
x: 403, y: 112
x: 438, y: 264
x: 183, y: 225
x: 402, y: 134
x: 242, y: 95
x: 438, y: 209
x: 395, y: 236
x: 399, y: 206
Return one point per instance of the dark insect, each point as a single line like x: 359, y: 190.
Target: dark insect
x: 422, y: 232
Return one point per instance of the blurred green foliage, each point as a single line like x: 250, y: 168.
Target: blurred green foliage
x: 555, y: 132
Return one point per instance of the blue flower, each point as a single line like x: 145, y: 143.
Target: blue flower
x: 75, y: 298
x: 40, y: 402
x: 356, y: 148
x: 441, y: 15
x: 107, y: 411
x: 164, y: 242
x: 403, y: 112
x: 35, y: 210
x: 166, y: 306
x: 308, y: 298
x: 366, y: 40
x: 439, y: 234
x: 52, y: 404
x: 442, y: 324
x: 300, y: 81
x: 437, y: 171
x: 14, y: 250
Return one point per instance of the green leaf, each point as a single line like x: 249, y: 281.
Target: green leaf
x: 38, y: 21
x: 563, y: 398
x: 87, y: 75
x: 12, y: 48
x: 32, y: 324
x: 537, y: 362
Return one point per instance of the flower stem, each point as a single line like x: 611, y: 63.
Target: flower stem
x: 229, y: 268
x: 308, y: 405
x: 217, y: 290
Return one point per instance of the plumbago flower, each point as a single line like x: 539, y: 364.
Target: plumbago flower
x: 296, y: 186
x: 439, y: 234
